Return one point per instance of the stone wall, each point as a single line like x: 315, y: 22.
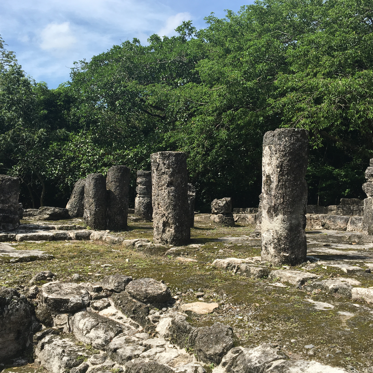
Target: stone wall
x: 9, y: 206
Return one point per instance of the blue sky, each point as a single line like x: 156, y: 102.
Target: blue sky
x: 49, y: 35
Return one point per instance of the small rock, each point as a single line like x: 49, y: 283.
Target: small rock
x: 200, y: 308
x: 75, y: 277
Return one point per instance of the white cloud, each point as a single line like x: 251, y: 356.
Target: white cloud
x: 172, y: 22
x: 57, y: 36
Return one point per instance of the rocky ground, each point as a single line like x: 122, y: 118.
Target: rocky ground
x: 321, y: 312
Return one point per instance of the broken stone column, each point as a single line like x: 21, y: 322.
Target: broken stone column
x: 75, y: 206
x: 368, y: 202
x: 171, y: 219
x: 284, y: 196
x: 221, y: 212
x: 9, y: 205
x: 191, y: 202
x: 117, y: 185
x: 143, y: 200
x: 95, y: 201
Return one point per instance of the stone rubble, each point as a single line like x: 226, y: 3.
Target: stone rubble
x: 94, y: 330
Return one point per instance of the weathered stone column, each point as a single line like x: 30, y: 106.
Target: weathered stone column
x: 143, y: 200
x: 95, y: 201
x: 191, y: 202
x: 9, y: 206
x: 284, y: 196
x: 117, y: 185
x: 171, y: 220
x: 75, y: 206
x: 221, y: 212
x: 368, y: 202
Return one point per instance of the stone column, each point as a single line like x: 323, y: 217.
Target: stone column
x: 171, y: 219
x: 95, y: 201
x: 368, y: 202
x: 143, y: 200
x: 117, y: 185
x: 221, y: 212
x: 191, y: 202
x: 284, y: 196
x: 9, y: 206
x: 75, y: 206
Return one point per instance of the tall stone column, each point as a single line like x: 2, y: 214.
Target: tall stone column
x: 171, y: 219
x: 75, y: 206
x: 191, y: 202
x: 9, y: 206
x: 284, y: 196
x: 368, y: 202
x: 95, y: 201
x: 117, y: 186
x: 143, y: 200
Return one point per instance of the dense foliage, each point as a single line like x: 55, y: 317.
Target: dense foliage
x: 212, y: 93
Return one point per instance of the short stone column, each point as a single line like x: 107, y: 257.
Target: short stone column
x: 9, y: 205
x: 117, y: 186
x: 191, y: 202
x: 221, y: 212
x: 284, y: 196
x: 143, y: 200
x: 75, y: 206
x: 171, y: 219
x: 368, y: 202
x: 95, y: 201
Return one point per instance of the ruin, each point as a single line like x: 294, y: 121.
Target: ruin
x: 75, y: 205
x: 191, y: 202
x: 9, y: 206
x: 95, y: 201
x: 117, y: 186
x: 284, y: 196
x: 143, y: 200
x: 368, y: 202
x: 221, y: 212
x: 170, y: 198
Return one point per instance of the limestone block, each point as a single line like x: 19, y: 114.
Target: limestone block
x: 368, y: 188
x: 116, y: 282
x: 210, y: 344
x: 336, y: 222
x: 226, y: 220
x: 75, y: 205
x: 221, y: 206
x: 284, y: 196
x: 143, y: 201
x: 369, y: 173
x: 64, y: 297
x: 117, y: 185
x: 9, y: 207
x: 91, y: 328
x: 292, y: 277
x: 95, y: 202
x: 368, y: 216
x: 362, y: 293
x: 15, y: 324
x: 171, y: 219
x: 191, y: 202
x: 355, y: 224
x: 148, y: 290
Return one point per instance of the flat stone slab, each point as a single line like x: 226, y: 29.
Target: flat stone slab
x: 347, y: 268
x: 321, y: 306
x: 14, y: 255
x: 292, y: 277
x: 201, y: 308
x: 362, y: 293
x: 64, y: 297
